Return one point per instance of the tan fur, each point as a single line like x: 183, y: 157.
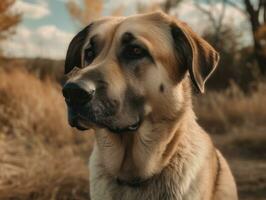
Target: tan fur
x: 170, y: 151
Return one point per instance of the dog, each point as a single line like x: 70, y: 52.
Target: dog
x: 130, y: 79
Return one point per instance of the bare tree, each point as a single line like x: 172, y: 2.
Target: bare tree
x: 215, y: 16
x: 256, y: 24
x: 256, y: 13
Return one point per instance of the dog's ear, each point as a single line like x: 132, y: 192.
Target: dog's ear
x: 74, y: 51
x: 196, y: 54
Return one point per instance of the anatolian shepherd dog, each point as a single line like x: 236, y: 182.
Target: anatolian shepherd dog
x: 129, y: 80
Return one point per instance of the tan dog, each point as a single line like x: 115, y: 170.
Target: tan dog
x: 129, y: 80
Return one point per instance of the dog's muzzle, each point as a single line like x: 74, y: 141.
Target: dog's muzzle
x: 85, y: 109
x: 77, y: 98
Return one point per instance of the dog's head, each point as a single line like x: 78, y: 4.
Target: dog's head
x: 123, y: 69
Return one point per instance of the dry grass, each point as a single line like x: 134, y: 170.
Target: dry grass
x: 237, y: 123
x: 40, y: 156
x: 232, y: 108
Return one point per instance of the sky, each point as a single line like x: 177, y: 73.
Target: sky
x: 47, y: 28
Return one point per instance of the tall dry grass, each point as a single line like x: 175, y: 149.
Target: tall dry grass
x: 41, y: 157
x: 221, y: 111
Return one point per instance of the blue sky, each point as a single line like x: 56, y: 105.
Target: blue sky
x: 47, y: 28
x: 58, y: 16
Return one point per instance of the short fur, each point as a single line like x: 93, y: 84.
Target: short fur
x: 170, y: 156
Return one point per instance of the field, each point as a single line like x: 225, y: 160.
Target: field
x: 42, y: 158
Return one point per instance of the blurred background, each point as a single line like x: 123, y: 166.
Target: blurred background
x: 42, y: 158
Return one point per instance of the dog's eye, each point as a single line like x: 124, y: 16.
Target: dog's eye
x: 89, y: 55
x: 134, y: 52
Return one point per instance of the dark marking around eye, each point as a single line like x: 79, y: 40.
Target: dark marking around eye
x: 161, y: 88
x: 93, y: 41
x: 127, y: 38
x: 92, y: 50
x: 89, y: 55
x: 134, y: 52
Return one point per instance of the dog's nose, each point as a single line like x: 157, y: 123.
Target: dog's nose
x: 75, y: 95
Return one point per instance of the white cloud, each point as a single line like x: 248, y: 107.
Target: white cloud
x: 49, y: 32
x: 47, y: 41
x: 32, y: 10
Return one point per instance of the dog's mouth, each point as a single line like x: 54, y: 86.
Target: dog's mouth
x: 79, y: 123
x: 130, y: 128
x: 82, y: 123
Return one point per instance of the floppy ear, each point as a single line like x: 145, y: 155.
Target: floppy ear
x: 73, y: 56
x: 195, y: 53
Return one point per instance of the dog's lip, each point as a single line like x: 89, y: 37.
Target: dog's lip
x: 131, y: 128
x: 81, y: 128
x: 83, y: 123
x: 136, y: 182
x: 79, y: 123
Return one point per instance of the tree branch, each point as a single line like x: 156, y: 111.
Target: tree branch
x: 220, y: 20
x: 253, y: 14
x: 237, y: 7
x: 264, y: 11
x: 249, y: 7
x: 206, y: 12
x: 264, y: 14
x: 260, y: 4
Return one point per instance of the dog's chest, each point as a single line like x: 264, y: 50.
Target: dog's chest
x: 176, y: 182
x: 168, y: 186
x: 155, y: 190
